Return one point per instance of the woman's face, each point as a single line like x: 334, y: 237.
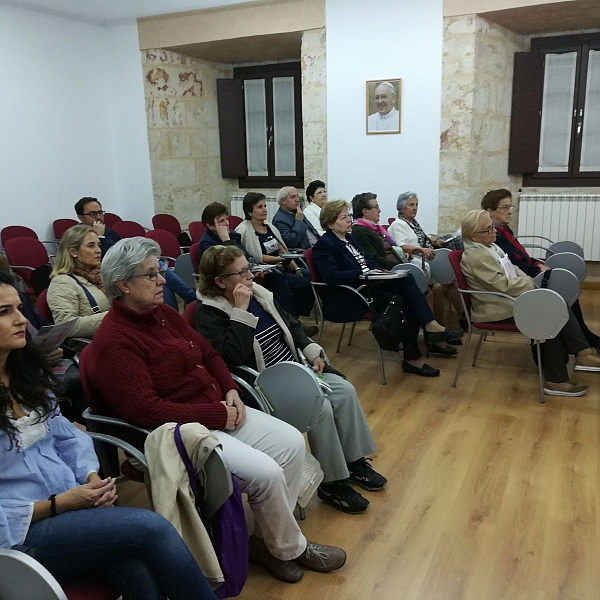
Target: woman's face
x: 410, y: 210
x: 237, y: 272
x: 259, y: 211
x: 320, y: 197
x: 503, y: 213
x: 220, y: 221
x: 486, y: 232
x: 13, y: 324
x: 89, y: 253
x: 145, y: 290
x: 342, y: 225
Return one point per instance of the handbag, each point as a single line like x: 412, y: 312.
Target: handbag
x: 388, y: 326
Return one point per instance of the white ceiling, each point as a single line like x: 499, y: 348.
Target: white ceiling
x: 115, y: 11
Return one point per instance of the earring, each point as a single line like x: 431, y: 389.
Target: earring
x: 127, y: 291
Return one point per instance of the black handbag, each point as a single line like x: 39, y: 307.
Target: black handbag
x: 388, y: 326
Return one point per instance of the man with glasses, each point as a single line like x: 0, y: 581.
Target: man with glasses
x: 89, y: 211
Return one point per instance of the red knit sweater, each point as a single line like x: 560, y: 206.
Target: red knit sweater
x: 152, y: 368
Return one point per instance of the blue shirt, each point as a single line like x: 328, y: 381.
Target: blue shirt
x: 59, y: 461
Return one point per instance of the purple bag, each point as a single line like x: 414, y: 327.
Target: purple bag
x: 227, y: 529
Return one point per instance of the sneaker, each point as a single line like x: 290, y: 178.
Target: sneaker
x: 343, y: 497
x: 319, y: 557
x: 284, y: 570
x: 363, y: 475
x: 587, y: 360
x: 568, y: 388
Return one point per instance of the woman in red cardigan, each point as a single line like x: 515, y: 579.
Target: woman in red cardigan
x: 150, y: 367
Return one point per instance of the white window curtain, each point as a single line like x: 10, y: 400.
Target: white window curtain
x: 284, y: 126
x: 256, y: 127
x: 590, y: 142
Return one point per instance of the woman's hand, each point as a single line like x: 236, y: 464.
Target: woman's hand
x: 318, y: 365
x: 543, y: 268
x: 53, y: 357
x: 221, y: 230
x: 98, y: 493
x: 241, y: 296
x: 232, y: 398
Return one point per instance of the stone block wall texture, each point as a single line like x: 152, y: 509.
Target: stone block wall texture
x: 181, y: 109
x: 477, y: 71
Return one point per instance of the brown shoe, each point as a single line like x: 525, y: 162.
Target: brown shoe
x: 568, y: 388
x: 284, y: 570
x: 587, y: 360
x: 322, y: 558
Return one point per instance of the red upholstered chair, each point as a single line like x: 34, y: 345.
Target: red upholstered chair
x: 234, y: 221
x: 82, y: 589
x: 197, y: 229
x: 14, y: 231
x: 391, y: 220
x: 110, y: 219
x: 169, y: 246
x: 128, y: 229
x: 25, y: 255
x: 167, y: 222
x: 465, y: 298
x: 188, y: 313
x: 61, y: 225
x: 194, y: 257
x: 43, y: 308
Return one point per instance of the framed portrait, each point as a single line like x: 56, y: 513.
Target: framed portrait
x: 384, y: 102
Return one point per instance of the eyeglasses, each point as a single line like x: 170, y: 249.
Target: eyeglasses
x: 509, y: 207
x: 94, y: 213
x: 153, y: 275
x: 243, y: 273
x: 488, y: 230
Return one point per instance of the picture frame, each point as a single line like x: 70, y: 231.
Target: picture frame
x: 383, y: 106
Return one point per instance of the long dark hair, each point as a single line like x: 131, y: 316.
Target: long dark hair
x: 31, y: 381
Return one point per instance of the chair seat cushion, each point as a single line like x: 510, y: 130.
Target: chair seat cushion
x: 497, y: 326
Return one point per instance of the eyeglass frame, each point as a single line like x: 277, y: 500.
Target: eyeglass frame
x: 509, y: 207
x: 488, y: 230
x: 243, y: 273
x: 94, y: 213
x: 152, y: 276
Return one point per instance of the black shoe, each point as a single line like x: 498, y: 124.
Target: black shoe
x: 442, y: 336
x: 455, y: 342
x: 310, y: 330
x: 363, y: 475
x: 441, y: 350
x: 343, y: 497
x: 424, y: 371
x: 464, y: 324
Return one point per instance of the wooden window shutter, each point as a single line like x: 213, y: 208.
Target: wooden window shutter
x: 526, y: 116
x: 232, y: 135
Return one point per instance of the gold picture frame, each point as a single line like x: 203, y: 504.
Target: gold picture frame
x: 380, y: 117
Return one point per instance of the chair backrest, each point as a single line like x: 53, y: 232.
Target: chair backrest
x: 188, y: 313
x: 310, y: 263
x: 184, y: 268
x: 440, y: 267
x: 563, y: 282
x: 531, y: 304
x: 43, y: 308
x: 194, y: 257
x: 391, y: 220
x: 14, y: 231
x: 128, y: 229
x: 110, y: 219
x: 167, y: 222
x: 565, y: 246
x: 454, y: 258
x: 234, y: 221
x: 569, y: 261
x: 25, y: 252
x: 169, y: 246
x: 196, y: 229
x: 61, y: 225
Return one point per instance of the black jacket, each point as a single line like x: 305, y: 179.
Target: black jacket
x: 373, y: 245
x: 210, y: 239
x: 108, y: 240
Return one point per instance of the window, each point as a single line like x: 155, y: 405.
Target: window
x: 555, y: 128
x: 260, y: 123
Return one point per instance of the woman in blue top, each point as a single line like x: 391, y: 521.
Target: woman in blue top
x: 49, y: 476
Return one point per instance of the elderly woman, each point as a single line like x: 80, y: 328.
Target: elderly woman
x: 52, y: 499
x: 265, y: 244
x: 76, y: 290
x: 248, y: 327
x: 499, y: 204
x: 340, y: 260
x: 150, y: 368
x: 486, y: 267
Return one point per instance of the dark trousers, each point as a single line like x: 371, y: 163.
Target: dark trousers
x: 590, y: 336
x: 292, y: 291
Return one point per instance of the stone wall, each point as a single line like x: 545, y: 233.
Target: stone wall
x: 181, y: 108
x: 476, y: 106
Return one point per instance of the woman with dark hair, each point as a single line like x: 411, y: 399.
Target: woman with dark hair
x: 264, y: 243
x: 49, y: 475
x: 316, y: 195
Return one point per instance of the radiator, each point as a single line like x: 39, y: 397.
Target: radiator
x: 563, y: 217
x: 238, y: 211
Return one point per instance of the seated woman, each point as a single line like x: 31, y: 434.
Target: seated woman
x: 409, y: 235
x: 76, y: 290
x: 340, y: 260
x: 483, y: 270
x: 499, y: 204
x: 264, y: 243
x: 149, y: 367
x: 248, y: 327
x: 49, y: 475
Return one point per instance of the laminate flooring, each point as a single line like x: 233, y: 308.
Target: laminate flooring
x: 491, y: 495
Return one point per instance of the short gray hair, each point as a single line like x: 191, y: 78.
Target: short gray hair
x: 284, y: 192
x: 123, y: 261
x: 403, y: 201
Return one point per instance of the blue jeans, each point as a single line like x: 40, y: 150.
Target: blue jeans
x: 137, y: 550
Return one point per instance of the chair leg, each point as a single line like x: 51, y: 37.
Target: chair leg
x: 340, y: 338
x: 320, y: 332
x: 301, y: 512
x: 482, y: 336
x: 381, y: 366
x: 540, y: 370
x: 351, y: 334
x: 461, y: 360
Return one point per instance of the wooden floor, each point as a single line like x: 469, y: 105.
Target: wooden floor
x: 491, y: 494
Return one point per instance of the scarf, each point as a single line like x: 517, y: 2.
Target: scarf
x: 93, y: 276
x: 423, y: 238
x: 376, y: 228
x: 494, y: 250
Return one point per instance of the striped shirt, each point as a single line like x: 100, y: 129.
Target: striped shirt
x: 358, y: 256
x: 269, y: 336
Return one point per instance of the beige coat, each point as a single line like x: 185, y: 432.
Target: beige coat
x: 172, y: 496
x: 484, y: 272
x: 68, y: 301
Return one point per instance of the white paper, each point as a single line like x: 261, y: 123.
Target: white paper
x: 509, y: 268
x: 52, y: 336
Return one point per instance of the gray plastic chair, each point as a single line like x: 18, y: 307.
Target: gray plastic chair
x: 562, y: 281
x: 185, y: 270
x: 565, y: 246
x: 419, y: 275
x: 569, y: 261
x: 441, y: 269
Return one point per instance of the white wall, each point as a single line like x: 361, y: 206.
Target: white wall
x: 383, y: 40
x: 68, y: 87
